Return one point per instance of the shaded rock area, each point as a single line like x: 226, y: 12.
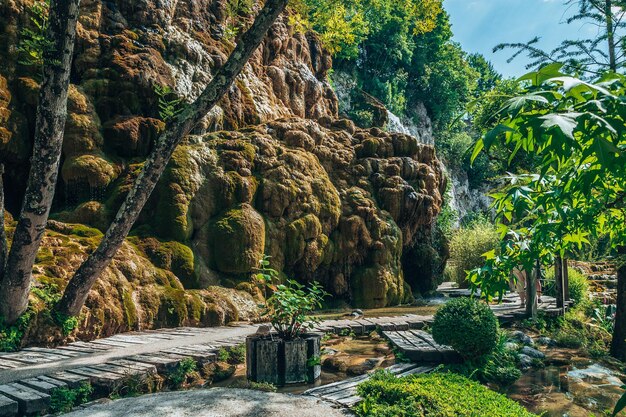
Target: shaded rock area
x: 131, y: 294
x: 272, y: 169
x: 224, y: 402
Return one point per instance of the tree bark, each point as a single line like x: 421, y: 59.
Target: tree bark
x: 44, y: 169
x: 610, y: 34
x: 531, y: 291
x: 618, y: 344
x: 558, y: 282
x: 566, y: 295
x: 4, y: 246
x: 87, y: 274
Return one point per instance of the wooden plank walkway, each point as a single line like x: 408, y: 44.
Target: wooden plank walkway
x: 419, y: 346
x: 344, y: 392
x: 27, y: 377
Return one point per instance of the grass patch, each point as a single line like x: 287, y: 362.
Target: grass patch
x: 432, y: 395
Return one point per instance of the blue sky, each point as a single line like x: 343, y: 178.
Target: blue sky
x: 479, y: 25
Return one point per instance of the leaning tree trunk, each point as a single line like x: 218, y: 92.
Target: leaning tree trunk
x: 610, y: 34
x: 78, y: 288
x: 44, y: 168
x: 618, y: 344
x: 3, y: 235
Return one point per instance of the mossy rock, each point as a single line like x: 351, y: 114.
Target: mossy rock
x: 94, y: 170
x: 172, y: 256
x: 237, y: 240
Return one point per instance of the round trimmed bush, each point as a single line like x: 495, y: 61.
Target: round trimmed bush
x: 468, y: 326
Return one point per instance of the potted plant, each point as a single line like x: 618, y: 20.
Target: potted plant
x: 286, y: 353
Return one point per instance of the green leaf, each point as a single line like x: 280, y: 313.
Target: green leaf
x: 543, y: 74
x: 477, y: 149
x: 566, y: 123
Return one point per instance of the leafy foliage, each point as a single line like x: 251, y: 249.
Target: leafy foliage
x: 468, y: 326
x: 185, y: 369
x: 578, y: 286
x: 290, y: 305
x: 11, y: 336
x: 344, y: 25
x: 467, y: 247
x: 34, y: 43
x: 170, y: 106
x: 575, y: 130
x: 63, y: 400
x: 433, y: 395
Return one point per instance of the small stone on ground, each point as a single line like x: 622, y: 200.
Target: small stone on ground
x: 215, y: 402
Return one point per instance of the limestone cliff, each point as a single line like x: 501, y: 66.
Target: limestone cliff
x: 271, y: 170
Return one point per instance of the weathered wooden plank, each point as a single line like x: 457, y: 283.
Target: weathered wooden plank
x: 163, y: 363
x: 33, y: 357
x: 64, y: 353
x: 295, y: 362
x: 90, y: 345
x: 30, y: 402
x: 72, y: 380
x: 44, y: 385
x: 8, y: 407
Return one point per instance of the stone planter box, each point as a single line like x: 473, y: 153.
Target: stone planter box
x: 281, y: 362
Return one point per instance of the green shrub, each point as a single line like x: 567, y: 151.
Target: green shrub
x: 468, y: 326
x: 467, y: 247
x: 63, y: 400
x: 500, y: 367
x: 238, y: 354
x: 578, y: 285
x: 432, y: 395
x: 185, y: 369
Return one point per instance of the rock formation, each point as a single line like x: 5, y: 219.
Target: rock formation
x: 271, y: 170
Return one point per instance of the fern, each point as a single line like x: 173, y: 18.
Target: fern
x: 170, y: 106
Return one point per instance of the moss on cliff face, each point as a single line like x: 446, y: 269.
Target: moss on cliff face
x: 132, y: 293
x: 325, y: 200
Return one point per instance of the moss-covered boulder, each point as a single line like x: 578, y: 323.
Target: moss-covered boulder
x: 237, y: 239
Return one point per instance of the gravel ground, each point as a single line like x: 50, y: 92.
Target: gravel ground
x: 214, y: 402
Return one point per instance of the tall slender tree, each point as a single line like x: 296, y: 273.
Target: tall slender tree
x: 4, y: 247
x: 87, y: 274
x: 49, y: 127
x: 592, y: 56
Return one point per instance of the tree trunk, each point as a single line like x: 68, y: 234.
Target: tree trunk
x: 610, y: 34
x: 558, y: 281
x: 531, y: 291
x: 618, y: 344
x: 566, y: 295
x: 44, y: 169
x: 4, y: 247
x: 78, y: 288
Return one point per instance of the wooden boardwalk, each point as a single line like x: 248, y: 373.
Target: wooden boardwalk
x: 344, y: 392
x: 420, y: 347
x: 29, y: 376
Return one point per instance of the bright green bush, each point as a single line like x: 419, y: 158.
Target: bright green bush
x: 578, y: 286
x: 432, y: 395
x: 467, y: 247
x: 468, y: 326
